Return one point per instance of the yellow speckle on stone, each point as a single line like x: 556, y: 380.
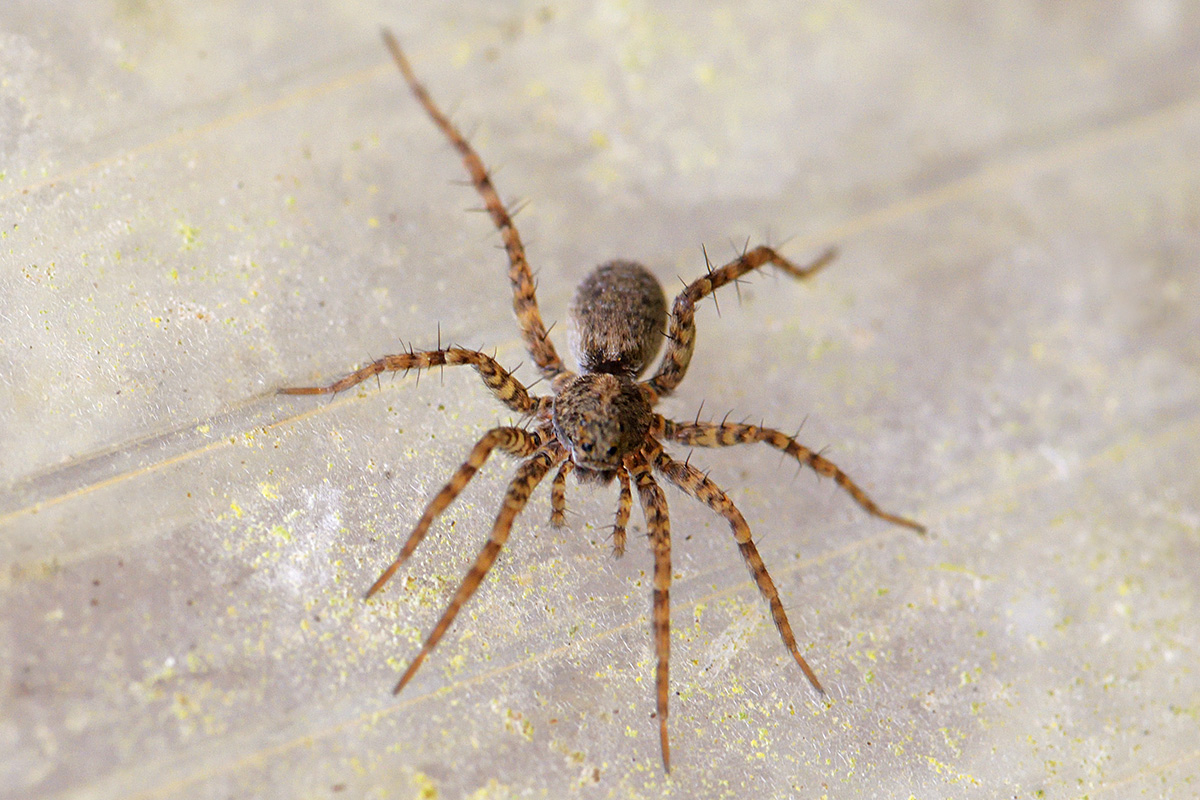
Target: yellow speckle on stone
x: 1037, y: 351
x: 537, y: 89
x: 604, y: 175
x: 268, y: 490
x: 515, y: 722
x: 599, y: 140
x: 373, y: 222
x: 821, y: 347
x: 705, y: 74
x: 462, y: 53
x: 630, y: 732
x: 189, y: 234
x: 961, y: 570
x: 493, y: 788
x: 281, y: 533
x: 426, y: 790
x: 942, y: 768
x: 595, y: 92
x: 182, y: 707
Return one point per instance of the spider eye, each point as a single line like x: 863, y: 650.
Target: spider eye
x: 586, y: 447
x: 612, y: 451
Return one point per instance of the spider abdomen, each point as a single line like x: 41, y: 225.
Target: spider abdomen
x: 617, y: 319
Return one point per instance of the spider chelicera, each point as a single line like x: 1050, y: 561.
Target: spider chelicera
x: 599, y: 423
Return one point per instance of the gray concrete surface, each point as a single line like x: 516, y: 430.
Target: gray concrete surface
x: 200, y: 203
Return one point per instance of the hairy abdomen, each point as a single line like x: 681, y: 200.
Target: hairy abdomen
x: 617, y: 319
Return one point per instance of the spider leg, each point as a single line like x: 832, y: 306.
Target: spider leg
x: 654, y: 508
x: 558, y: 495
x: 624, y: 506
x: 498, y: 380
x: 528, y: 476
x: 681, y: 336
x: 558, y: 504
x: 529, y: 318
x: 514, y: 441
x: 706, y: 434
x: 697, y: 484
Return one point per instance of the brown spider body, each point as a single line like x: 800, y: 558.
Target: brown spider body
x: 617, y: 319
x: 599, y: 424
x: 601, y: 419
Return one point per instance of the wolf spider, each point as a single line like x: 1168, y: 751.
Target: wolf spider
x: 599, y: 424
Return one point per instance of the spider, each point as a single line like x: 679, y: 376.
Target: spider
x: 599, y: 424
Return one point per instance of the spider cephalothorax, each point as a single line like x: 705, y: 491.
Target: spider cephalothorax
x: 600, y: 423
x: 601, y: 419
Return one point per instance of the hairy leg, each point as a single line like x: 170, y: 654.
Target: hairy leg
x: 558, y: 495
x: 654, y: 508
x: 528, y: 476
x: 707, y: 434
x: 503, y: 385
x: 624, y: 506
x: 529, y: 318
x: 697, y: 484
x: 681, y: 336
x: 514, y: 441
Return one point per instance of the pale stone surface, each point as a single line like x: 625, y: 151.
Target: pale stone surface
x: 200, y: 203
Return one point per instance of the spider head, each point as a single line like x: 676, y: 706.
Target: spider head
x: 601, y: 419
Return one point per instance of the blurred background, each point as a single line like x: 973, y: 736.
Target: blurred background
x: 201, y: 203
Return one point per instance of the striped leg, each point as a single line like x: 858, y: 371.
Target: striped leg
x: 697, y: 484
x: 503, y: 385
x: 558, y: 495
x: 725, y: 434
x: 514, y: 441
x: 558, y: 505
x: 624, y: 506
x: 528, y: 476
x: 654, y: 508
x: 681, y: 336
x: 529, y: 318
